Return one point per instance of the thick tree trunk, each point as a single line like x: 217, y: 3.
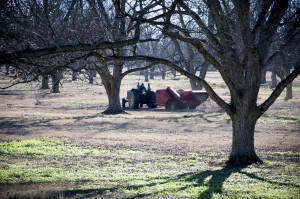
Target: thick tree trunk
x: 243, y: 151
x: 45, y: 82
x: 113, y: 93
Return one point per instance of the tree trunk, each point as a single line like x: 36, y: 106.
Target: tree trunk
x: 289, y: 91
x: 6, y: 70
x: 45, y: 82
x: 274, y: 80
x: 146, y: 74
x: 91, y: 77
x: 195, y: 85
x: 198, y: 85
x: 74, y: 76
x: 113, y: 92
x: 243, y: 151
x: 263, y: 79
x: 152, y: 71
x: 56, y: 76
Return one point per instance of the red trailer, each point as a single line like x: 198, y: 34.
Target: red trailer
x: 172, y: 99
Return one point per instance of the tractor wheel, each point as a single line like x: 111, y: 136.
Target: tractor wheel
x: 152, y: 99
x: 133, y: 99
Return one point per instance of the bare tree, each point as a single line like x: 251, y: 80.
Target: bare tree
x: 56, y: 34
x: 239, y: 48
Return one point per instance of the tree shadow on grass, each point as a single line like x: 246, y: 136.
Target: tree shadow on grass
x: 213, y: 179
x: 215, y: 183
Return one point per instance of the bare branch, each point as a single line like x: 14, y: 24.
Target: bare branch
x: 279, y: 88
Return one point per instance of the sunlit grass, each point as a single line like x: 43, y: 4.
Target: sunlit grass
x: 133, y: 173
x: 279, y: 119
x: 35, y: 147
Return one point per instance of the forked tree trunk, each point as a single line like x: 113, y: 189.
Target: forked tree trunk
x: 243, y: 151
x: 113, y: 93
x: 198, y: 85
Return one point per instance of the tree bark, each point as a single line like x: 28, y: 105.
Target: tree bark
x: 203, y: 71
x: 74, y: 76
x: 113, y: 93
x: 274, y: 80
x: 45, y: 82
x: 56, y: 76
x: 146, y: 74
x: 112, y: 85
x: 263, y: 79
x: 243, y: 150
x: 7, y: 70
x: 152, y: 71
x: 91, y: 76
x: 289, y: 91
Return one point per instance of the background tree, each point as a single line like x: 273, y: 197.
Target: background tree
x: 56, y: 34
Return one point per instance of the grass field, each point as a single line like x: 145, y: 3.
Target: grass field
x: 65, y: 148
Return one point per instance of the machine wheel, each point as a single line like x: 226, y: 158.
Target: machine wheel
x: 133, y: 99
x: 152, y: 99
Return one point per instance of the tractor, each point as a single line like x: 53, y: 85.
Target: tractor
x: 139, y: 96
x: 169, y: 98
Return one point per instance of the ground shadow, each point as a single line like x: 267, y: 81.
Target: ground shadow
x: 212, y: 179
x: 215, y: 183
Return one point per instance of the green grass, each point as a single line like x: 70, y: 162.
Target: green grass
x: 84, y: 171
x: 279, y: 119
x: 31, y: 148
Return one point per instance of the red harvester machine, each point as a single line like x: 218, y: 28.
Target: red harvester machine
x: 172, y: 99
x: 169, y: 98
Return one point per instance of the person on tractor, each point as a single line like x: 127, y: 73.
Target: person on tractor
x: 142, y: 87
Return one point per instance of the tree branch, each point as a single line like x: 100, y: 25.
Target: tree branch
x: 137, y: 69
x: 279, y: 88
